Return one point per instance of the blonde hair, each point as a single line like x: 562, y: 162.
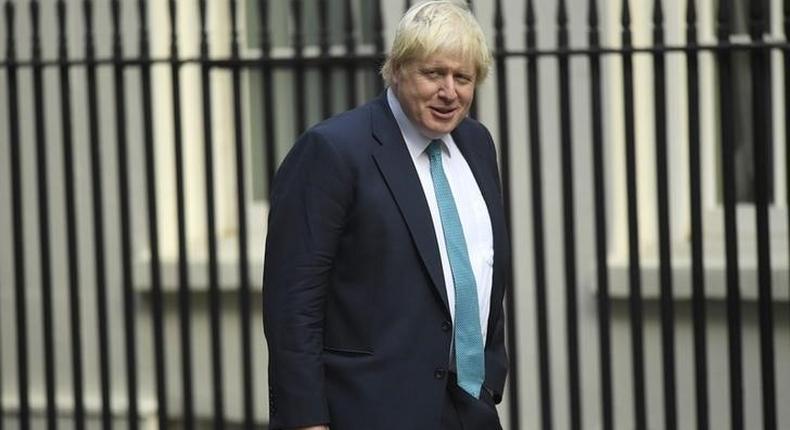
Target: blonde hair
x: 438, y: 26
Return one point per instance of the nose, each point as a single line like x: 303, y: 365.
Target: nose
x: 447, y: 90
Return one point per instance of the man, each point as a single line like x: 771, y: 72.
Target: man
x: 386, y: 252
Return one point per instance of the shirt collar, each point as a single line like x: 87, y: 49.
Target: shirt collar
x: 416, y: 142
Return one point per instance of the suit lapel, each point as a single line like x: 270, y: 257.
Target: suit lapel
x: 397, y: 167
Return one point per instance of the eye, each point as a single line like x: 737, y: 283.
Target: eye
x: 432, y: 73
x: 464, y: 79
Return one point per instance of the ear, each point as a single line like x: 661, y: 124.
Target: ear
x: 396, y: 73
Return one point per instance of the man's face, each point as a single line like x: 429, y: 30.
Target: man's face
x: 436, y: 92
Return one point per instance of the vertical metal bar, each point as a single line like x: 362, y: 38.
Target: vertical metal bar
x: 241, y: 200
x: 634, y: 272
x: 2, y: 380
x: 786, y: 55
x: 604, y: 311
x: 538, y: 241
x: 351, y: 76
x: 20, y: 281
x: 71, y: 220
x: 125, y: 218
x: 698, y: 299
x: 730, y: 222
x: 45, y: 253
x: 378, y: 43
x: 763, y: 166
x: 213, y: 268
x: 98, y: 216
x: 153, y: 222
x: 268, y: 94
x: 664, y: 243
x: 184, y: 304
x: 300, y: 107
x: 502, y: 87
x: 323, y: 41
x: 407, y: 5
x: 473, y: 111
x: 504, y: 149
x: 569, y: 224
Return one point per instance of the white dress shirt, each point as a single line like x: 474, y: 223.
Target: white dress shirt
x: 472, y: 209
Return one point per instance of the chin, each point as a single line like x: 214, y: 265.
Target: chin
x: 435, y: 133
x: 438, y: 129
x: 445, y: 128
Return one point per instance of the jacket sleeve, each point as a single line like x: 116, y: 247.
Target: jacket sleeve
x: 497, y: 360
x: 310, y: 196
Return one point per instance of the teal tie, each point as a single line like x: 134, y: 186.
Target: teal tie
x: 469, y: 357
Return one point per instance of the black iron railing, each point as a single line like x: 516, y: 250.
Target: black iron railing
x: 350, y: 64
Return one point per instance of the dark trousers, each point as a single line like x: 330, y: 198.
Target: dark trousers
x: 463, y: 412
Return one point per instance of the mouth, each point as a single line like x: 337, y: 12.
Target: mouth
x: 445, y: 113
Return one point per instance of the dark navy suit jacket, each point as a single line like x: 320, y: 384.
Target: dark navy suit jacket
x: 355, y: 304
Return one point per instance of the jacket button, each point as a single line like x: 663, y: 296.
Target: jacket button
x: 439, y: 373
x: 446, y: 326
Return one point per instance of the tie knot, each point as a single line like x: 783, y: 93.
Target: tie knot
x: 435, y: 148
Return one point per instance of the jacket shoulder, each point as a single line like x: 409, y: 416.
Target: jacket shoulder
x: 472, y: 126
x: 345, y: 128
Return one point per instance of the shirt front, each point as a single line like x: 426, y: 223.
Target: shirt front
x: 472, y: 209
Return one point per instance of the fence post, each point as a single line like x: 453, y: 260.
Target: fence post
x: 635, y: 277
x: 538, y: 224
x: 504, y: 149
x: 724, y: 19
x: 20, y: 281
x: 241, y: 209
x: 218, y: 388
x: 763, y: 169
x: 665, y: 257
x: 697, y: 263
x: 71, y: 219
